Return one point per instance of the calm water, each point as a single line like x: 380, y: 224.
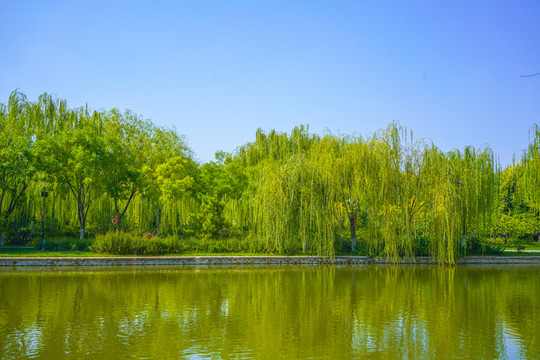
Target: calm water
x: 392, y: 312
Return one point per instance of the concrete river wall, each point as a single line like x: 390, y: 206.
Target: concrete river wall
x: 248, y: 260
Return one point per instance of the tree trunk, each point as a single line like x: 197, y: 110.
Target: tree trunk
x: 352, y: 220
x: 83, y: 223
x: 158, y: 219
x: 3, y: 241
x: 84, y: 206
x: 117, y: 216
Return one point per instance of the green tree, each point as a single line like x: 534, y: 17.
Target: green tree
x: 75, y: 157
x: 169, y: 170
x: 219, y: 182
x: 174, y: 179
x: 17, y: 158
x: 529, y: 178
x: 126, y: 140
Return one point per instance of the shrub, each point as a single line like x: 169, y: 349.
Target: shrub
x: 122, y: 243
x: 63, y: 244
x: 480, y: 246
x: 518, y: 242
x: 23, y: 236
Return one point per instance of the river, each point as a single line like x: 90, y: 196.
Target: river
x: 270, y: 312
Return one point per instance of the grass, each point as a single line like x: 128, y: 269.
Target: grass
x: 33, y: 252
x: 533, y: 246
x: 515, y: 253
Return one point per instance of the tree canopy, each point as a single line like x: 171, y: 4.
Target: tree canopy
x: 384, y: 195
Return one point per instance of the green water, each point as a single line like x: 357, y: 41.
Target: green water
x: 284, y: 312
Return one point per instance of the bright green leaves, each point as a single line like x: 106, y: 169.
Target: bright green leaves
x: 76, y: 158
x: 294, y: 208
x: 17, y: 155
x: 286, y: 192
x: 218, y: 184
x: 174, y: 177
x: 393, y: 192
x: 529, y: 184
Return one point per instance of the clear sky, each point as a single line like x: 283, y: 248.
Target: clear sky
x: 218, y: 70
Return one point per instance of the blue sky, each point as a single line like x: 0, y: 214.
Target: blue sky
x: 218, y: 70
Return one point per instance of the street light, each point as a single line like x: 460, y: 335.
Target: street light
x: 44, y: 194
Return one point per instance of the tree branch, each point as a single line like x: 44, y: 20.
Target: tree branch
x: 531, y: 75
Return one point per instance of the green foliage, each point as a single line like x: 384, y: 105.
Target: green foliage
x: 62, y: 244
x: 122, y: 243
x: 17, y: 155
x: 518, y: 242
x: 477, y: 245
x: 384, y: 195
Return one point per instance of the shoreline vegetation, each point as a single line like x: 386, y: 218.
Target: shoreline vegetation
x: 141, y: 247
x: 32, y: 253
x: 112, y: 183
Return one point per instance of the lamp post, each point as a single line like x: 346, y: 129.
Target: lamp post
x: 44, y: 194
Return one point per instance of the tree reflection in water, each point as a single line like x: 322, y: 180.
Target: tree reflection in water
x: 386, y: 312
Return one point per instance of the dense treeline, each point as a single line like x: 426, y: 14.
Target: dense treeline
x: 385, y: 195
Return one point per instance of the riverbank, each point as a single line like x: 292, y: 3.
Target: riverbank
x: 248, y: 260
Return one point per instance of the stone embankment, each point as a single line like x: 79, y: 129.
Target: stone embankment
x: 249, y: 260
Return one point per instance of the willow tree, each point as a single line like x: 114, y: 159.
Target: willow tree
x: 74, y: 157
x: 474, y: 174
x: 390, y: 186
x: 17, y: 159
x: 345, y: 166
x: 528, y: 185
x: 294, y: 208
x: 461, y: 199
x: 342, y: 160
x: 289, y: 198
x: 275, y: 146
x: 127, y: 143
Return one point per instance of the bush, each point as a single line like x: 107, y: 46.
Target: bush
x: 23, y: 236
x: 344, y: 245
x: 122, y: 243
x: 63, y: 244
x: 479, y: 246
x: 518, y: 242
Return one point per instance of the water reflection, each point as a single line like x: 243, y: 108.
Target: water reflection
x: 385, y: 312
